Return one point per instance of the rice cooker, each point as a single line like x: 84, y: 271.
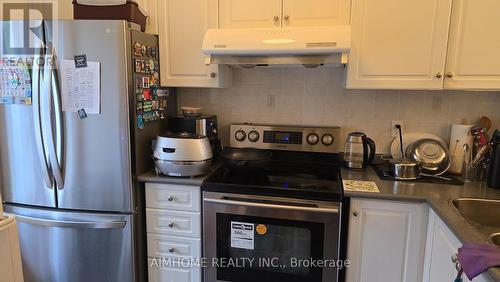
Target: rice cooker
x: 182, y: 154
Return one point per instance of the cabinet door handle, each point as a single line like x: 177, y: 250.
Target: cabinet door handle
x: 450, y: 75
x: 276, y: 18
x: 171, y: 250
x: 355, y: 214
x: 439, y: 75
x: 213, y: 74
x: 287, y: 17
x: 171, y: 224
x: 170, y: 198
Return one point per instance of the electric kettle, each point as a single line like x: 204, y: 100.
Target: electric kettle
x: 359, y: 150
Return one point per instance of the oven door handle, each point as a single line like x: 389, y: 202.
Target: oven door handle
x: 270, y: 205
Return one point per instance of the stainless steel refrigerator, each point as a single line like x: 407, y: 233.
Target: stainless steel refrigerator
x: 69, y: 177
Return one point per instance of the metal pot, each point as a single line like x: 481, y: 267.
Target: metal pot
x: 405, y: 169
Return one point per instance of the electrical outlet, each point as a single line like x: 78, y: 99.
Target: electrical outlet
x: 394, y: 129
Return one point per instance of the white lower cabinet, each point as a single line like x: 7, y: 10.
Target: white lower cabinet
x: 169, y: 274
x: 441, y: 245
x: 173, y: 225
x: 386, y: 241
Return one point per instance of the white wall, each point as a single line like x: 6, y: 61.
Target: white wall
x: 317, y: 97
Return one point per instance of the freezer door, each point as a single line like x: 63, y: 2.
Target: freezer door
x: 68, y: 246
x: 24, y: 170
x: 96, y: 162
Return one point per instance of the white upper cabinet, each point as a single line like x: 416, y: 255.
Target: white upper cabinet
x: 386, y: 241
x: 245, y: 13
x: 182, y: 25
x: 315, y: 12
x: 473, y: 50
x: 282, y: 13
x: 398, y: 44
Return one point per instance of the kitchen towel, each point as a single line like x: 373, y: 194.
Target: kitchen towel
x: 459, y: 136
x: 477, y: 258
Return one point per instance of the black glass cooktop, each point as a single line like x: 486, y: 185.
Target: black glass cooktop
x: 318, y: 181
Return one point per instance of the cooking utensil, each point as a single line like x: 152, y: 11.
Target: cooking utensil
x: 436, y: 176
x: 245, y: 159
x: 404, y: 169
x: 192, y: 111
x: 485, y: 123
x: 432, y: 155
x: 409, y: 138
x: 359, y: 150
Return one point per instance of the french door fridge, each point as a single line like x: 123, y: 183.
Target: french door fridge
x: 69, y: 177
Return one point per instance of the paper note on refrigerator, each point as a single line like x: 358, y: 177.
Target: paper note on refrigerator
x: 81, y: 87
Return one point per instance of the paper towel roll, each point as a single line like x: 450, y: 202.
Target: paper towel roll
x: 459, y: 136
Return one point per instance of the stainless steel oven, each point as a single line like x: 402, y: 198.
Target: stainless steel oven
x: 265, y: 238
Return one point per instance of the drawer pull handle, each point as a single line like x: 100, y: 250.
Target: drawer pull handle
x: 355, y: 213
x: 170, y: 198
x: 171, y: 224
x: 171, y: 250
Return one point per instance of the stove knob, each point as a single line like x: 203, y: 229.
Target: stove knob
x: 240, y: 135
x: 327, y: 139
x: 312, y: 139
x: 253, y: 136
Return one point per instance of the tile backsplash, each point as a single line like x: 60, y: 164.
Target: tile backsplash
x: 301, y: 96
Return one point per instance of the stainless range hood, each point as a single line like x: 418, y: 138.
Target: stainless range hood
x: 304, y: 46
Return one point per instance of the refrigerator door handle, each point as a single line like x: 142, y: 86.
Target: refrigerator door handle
x: 72, y: 223
x: 39, y: 140
x: 56, y: 157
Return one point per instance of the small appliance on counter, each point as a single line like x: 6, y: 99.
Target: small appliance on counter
x: 182, y: 154
x: 286, y: 193
x: 359, y: 150
x: 202, y: 125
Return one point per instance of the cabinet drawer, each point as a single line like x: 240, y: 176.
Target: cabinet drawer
x: 175, y: 197
x: 159, y: 273
x: 171, y: 222
x: 166, y: 246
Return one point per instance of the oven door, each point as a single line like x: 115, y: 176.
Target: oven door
x: 256, y: 238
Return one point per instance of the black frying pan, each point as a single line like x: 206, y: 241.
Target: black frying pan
x: 245, y: 159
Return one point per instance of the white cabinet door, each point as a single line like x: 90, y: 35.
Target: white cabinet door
x: 173, y: 197
x: 316, y: 12
x: 159, y: 273
x: 386, y: 241
x: 473, y: 50
x: 182, y: 25
x: 398, y: 44
x: 441, y: 245
x: 249, y: 13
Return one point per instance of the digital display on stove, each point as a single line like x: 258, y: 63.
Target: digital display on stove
x: 283, y: 137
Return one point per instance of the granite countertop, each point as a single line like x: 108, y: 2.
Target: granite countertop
x: 438, y: 196
x: 152, y: 177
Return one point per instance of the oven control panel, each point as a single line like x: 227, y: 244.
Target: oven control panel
x: 290, y: 138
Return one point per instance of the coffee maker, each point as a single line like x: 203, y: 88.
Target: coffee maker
x: 203, y: 125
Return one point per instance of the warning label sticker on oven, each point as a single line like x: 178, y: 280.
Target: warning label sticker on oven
x: 242, y: 235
